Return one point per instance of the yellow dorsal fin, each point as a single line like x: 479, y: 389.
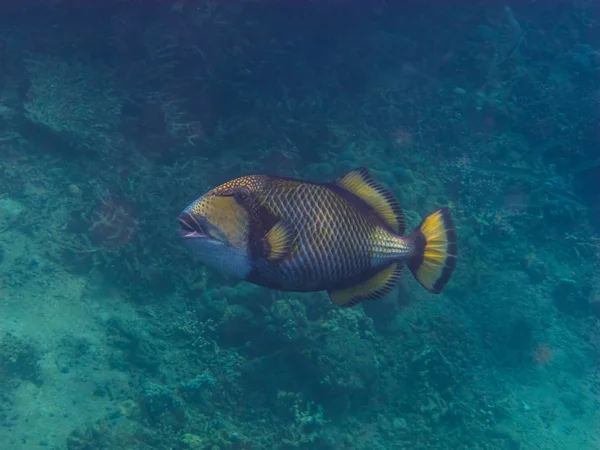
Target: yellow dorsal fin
x: 360, y: 183
x: 278, y: 241
x: 374, y: 288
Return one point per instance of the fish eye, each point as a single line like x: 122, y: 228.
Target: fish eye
x: 242, y: 193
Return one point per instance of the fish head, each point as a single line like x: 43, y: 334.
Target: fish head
x: 217, y: 226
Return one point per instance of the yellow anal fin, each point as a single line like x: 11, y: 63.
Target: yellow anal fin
x: 278, y: 241
x: 360, y: 183
x: 435, y: 251
x: 374, y: 288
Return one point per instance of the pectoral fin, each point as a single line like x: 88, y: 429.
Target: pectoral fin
x: 279, y: 241
x: 374, y: 288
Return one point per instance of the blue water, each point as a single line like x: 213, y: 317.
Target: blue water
x: 114, y: 115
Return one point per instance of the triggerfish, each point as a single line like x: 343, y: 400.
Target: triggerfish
x: 346, y: 237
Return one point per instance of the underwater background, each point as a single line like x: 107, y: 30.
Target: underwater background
x: 114, y: 115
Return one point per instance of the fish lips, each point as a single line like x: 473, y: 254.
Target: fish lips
x: 190, y: 226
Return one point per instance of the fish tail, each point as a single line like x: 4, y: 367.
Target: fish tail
x: 434, y: 250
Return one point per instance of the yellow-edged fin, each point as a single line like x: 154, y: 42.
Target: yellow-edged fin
x: 278, y: 241
x: 360, y: 183
x: 374, y: 288
x: 435, y: 251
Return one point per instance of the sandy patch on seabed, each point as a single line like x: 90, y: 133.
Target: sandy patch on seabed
x: 50, y: 310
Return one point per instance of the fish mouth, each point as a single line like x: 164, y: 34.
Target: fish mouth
x: 190, y: 227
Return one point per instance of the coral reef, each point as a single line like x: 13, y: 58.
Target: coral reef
x: 114, y: 115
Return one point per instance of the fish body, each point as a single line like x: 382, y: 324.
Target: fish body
x: 345, y: 237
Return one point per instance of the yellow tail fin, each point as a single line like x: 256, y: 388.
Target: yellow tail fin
x: 435, y: 251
